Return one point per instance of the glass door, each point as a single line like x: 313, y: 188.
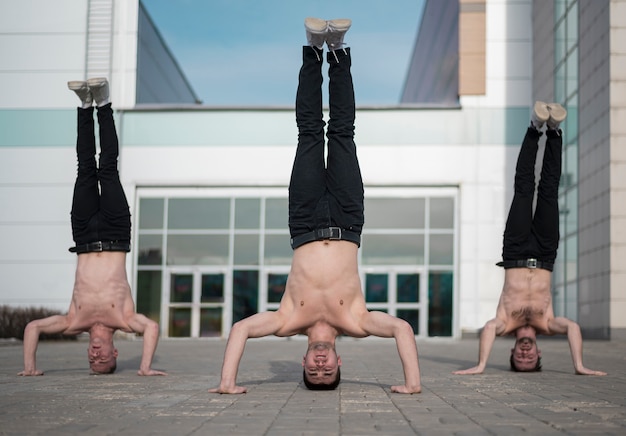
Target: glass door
x: 196, y: 303
x: 398, y: 293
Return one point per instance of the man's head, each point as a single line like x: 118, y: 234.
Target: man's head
x: 321, y: 366
x: 102, y: 355
x: 525, y: 356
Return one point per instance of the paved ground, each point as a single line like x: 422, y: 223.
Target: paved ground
x: 67, y: 400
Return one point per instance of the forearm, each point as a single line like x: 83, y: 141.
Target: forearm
x: 407, y: 349
x: 150, y: 342
x: 487, y: 338
x: 31, y: 341
x: 574, y: 337
x: 232, y: 356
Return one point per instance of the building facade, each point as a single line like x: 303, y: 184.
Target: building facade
x: 208, y: 186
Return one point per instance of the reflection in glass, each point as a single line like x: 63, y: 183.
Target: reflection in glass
x: 245, y: 294
x: 151, y: 213
x: 181, y: 288
x: 150, y: 250
x: 412, y: 316
x: 376, y: 288
x: 395, y: 213
x: 392, y: 249
x: 180, y: 323
x: 210, y: 322
x: 198, y: 213
x: 197, y: 250
x: 246, y: 250
x: 247, y: 213
x: 149, y: 294
x: 441, y: 250
x: 212, y: 288
x: 276, y: 284
x: 408, y: 286
x: 276, y: 213
x: 440, y: 304
x: 441, y: 213
x: 277, y: 250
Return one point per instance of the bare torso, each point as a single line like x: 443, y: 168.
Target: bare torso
x: 101, y: 293
x: 323, y: 287
x: 525, y: 300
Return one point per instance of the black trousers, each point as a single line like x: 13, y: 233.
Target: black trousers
x: 527, y: 235
x: 99, y: 207
x: 325, y: 193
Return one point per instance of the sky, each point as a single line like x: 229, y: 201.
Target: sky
x: 249, y: 52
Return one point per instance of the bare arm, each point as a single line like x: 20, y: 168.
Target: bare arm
x: 255, y: 326
x: 150, y: 330
x: 568, y: 327
x: 493, y: 328
x: 387, y: 326
x: 51, y: 325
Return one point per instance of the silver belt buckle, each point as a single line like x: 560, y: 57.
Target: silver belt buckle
x: 335, y: 233
x: 531, y: 263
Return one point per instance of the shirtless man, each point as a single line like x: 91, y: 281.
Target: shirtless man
x: 101, y: 301
x: 323, y: 296
x: 530, y: 246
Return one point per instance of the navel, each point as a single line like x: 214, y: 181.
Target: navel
x: 341, y: 302
x: 301, y: 302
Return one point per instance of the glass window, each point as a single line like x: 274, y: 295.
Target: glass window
x: 211, y: 322
x: 441, y: 249
x: 376, y: 288
x: 276, y: 213
x: 151, y: 213
x: 440, y: 304
x: 247, y: 213
x: 395, y: 213
x: 198, y: 213
x: 392, y: 249
x: 212, y: 288
x: 277, y: 250
x: 441, y: 213
x: 408, y: 288
x: 246, y: 250
x: 197, y: 250
x: 412, y: 316
x: 181, y: 288
x: 245, y: 294
x: 150, y: 250
x: 276, y: 284
x: 180, y: 322
x: 149, y: 294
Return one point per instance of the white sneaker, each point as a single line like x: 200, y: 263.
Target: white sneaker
x: 557, y: 115
x: 99, y: 88
x: 316, y: 30
x: 336, y: 31
x: 540, y: 115
x: 81, y: 89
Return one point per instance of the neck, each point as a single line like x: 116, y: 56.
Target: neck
x: 322, y: 332
x: 101, y: 331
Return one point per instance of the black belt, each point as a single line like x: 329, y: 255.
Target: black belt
x: 101, y: 246
x: 334, y: 233
x: 526, y: 263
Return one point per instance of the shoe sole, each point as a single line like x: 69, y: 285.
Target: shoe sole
x: 340, y: 24
x: 315, y: 25
x: 541, y: 111
x: 557, y: 112
x: 97, y: 82
x: 76, y: 85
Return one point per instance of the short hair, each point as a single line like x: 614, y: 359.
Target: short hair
x: 109, y: 370
x: 322, y: 386
x: 536, y: 368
